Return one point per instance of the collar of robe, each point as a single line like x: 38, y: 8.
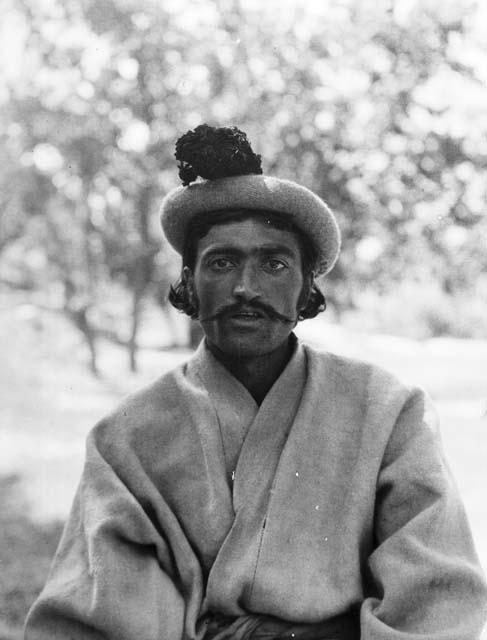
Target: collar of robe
x: 251, y: 436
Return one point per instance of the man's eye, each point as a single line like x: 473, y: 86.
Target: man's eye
x: 275, y: 265
x: 220, y: 264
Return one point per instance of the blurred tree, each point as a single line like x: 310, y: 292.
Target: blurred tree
x: 380, y: 109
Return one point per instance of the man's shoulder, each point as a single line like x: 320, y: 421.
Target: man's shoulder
x: 364, y: 389
x: 157, y: 403
x: 354, y: 375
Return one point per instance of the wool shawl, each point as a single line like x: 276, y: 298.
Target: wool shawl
x: 332, y: 498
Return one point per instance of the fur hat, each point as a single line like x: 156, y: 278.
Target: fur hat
x: 232, y: 179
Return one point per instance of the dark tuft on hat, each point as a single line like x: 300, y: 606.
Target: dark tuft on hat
x: 215, y: 152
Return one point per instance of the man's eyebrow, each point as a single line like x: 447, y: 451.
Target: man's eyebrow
x: 276, y: 248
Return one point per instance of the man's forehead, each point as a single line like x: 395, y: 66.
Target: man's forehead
x: 250, y: 231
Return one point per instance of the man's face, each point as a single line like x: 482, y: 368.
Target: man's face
x: 248, y: 285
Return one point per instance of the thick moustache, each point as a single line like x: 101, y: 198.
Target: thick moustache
x: 254, y: 313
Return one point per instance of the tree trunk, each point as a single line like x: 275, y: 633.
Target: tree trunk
x: 137, y: 295
x: 143, y: 269
x: 77, y: 311
x: 80, y: 318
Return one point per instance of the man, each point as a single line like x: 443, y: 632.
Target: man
x: 263, y: 489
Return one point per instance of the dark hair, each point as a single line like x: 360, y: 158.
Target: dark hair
x: 179, y: 295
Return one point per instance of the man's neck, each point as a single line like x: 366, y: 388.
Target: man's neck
x: 257, y: 374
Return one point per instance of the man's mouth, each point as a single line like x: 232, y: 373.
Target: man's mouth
x: 247, y: 315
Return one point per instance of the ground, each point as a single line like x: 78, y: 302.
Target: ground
x: 50, y: 401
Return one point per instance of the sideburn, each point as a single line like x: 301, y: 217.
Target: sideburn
x: 305, y: 291
x: 188, y: 282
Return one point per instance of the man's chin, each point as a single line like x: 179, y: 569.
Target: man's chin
x: 247, y: 346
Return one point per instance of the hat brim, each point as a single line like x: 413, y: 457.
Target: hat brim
x: 257, y: 193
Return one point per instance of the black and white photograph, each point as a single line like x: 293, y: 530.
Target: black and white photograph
x: 243, y: 320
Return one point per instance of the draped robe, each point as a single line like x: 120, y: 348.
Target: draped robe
x: 332, y: 498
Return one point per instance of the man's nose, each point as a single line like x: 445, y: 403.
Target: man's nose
x: 246, y: 285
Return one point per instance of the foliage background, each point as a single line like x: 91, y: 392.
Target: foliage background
x: 380, y: 107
